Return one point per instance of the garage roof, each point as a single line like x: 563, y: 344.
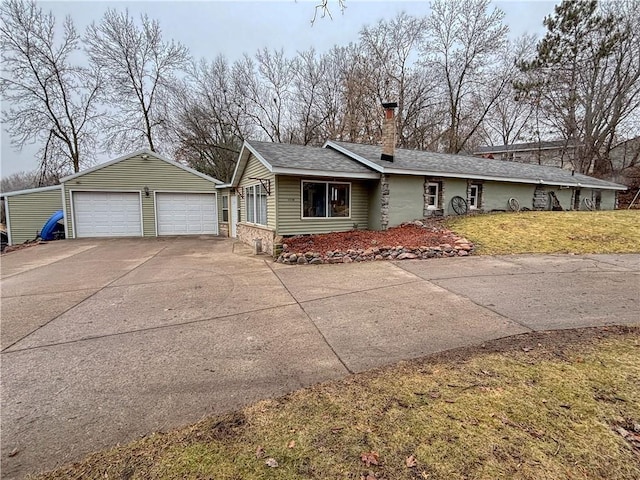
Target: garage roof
x: 142, y: 154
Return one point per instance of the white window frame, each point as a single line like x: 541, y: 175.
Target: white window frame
x: 475, y: 197
x: 257, y: 190
x: 328, y: 200
x: 436, y: 197
x: 225, y: 197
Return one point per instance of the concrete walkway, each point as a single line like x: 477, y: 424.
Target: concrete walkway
x: 105, y: 341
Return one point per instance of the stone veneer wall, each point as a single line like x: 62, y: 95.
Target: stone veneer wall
x: 540, y: 199
x: 248, y: 233
x: 384, y: 208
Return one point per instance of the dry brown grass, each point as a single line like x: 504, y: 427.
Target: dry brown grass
x: 539, y: 406
x: 552, y: 232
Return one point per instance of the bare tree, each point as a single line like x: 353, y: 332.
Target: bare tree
x: 461, y: 49
x: 587, y: 74
x: 47, y: 98
x: 208, y: 124
x: 264, y: 85
x: 392, y: 48
x: 512, y: 118
x: 140, y: 66
x: 309, y: 106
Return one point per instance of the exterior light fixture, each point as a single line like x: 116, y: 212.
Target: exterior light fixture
x: 146, y: 191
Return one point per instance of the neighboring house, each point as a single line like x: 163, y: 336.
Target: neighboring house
x: 625, y: 161
x: 140, y: 194
x: 279, y: 190
x: 559, y: 153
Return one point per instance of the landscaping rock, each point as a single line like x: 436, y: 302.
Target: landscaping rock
x: 308, y: 249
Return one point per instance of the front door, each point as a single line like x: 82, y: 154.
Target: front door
x: 234, y: 215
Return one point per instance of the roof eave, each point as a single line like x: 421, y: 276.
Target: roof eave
x: 243, y: 158
x: 324, y: 173
x: 30, y: 190
x: 496, y: 178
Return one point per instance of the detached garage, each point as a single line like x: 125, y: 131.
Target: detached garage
x: 140, y: 194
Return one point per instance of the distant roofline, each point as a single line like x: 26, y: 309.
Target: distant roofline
x: 527, y: 147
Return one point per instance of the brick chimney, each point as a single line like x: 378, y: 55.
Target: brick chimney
x: 389, y: 131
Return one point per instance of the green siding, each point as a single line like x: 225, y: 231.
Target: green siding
x: 132, y: 175
x: 29, y: 212
x: 256, y: 169
x: 375, y: 206
x: 564, y: 196
x: 406, y: 198
x: 453, y: 187
x: 290, y: 220
x: 608, y: 201
x: 496, y: 195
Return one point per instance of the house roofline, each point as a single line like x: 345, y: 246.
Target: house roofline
x: 30, y: 190
x: 495, y: 178
x: 243, y: 158
x: 354, y: 156
x: 143, y: 151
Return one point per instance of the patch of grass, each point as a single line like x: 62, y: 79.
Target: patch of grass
x: 552, y: 232
x: 533, y: 407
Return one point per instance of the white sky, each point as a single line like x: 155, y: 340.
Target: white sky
x: 210, y: 28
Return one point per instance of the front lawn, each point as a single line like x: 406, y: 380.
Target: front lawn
x: 551, y: 232
x: 553, y: 405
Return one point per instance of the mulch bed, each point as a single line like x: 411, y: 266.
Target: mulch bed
x: 408, y: 241
x: 409, y: 236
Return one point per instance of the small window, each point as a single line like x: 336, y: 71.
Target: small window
x: 432, y: 196
x: 326, y: 200
x: 225, y: 208
x: 474, y: 197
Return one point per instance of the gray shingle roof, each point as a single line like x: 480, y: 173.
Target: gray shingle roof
x: 465, y: 166
x: 284, y: 155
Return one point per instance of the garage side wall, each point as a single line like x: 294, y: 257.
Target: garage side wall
x: 132, y: 175
x: 29, y: 212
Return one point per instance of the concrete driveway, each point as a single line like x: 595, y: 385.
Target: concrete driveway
x: 105, y: 341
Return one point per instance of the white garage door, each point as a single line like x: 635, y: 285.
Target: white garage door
x: 186, y: 213
x: 107, y: 214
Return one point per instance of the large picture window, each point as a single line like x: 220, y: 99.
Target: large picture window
x: 326, y: 200
x: 256, y: 204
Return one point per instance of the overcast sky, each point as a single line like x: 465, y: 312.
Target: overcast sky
x: 210, y: 28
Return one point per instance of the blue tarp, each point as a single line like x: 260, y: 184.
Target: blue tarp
x: 49, y: 227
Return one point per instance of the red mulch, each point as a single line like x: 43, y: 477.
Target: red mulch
x: 409, y: 236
